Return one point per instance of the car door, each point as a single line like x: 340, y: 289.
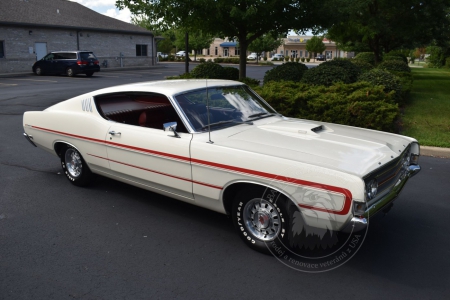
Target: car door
x: 47, y: 64
x: 151, y: 157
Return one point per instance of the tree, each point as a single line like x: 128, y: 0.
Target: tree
x: 315, y: 45
x: 197, y: 41
x: 380, y: 26
x: 264, y: 43
x: 242, y: 20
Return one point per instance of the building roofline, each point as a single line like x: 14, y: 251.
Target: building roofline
x: 77, y: 28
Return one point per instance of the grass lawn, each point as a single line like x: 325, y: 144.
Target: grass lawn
x: 427, y: 113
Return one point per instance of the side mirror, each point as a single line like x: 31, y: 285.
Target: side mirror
x: 171, y: 126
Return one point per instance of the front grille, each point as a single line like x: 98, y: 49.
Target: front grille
x: 387, y: 176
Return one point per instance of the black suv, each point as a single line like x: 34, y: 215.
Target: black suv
x: 67, y: 62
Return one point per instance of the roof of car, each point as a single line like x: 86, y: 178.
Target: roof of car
x: 61, y: 14
x: 169, y: 87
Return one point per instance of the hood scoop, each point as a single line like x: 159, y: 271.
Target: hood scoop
x: 317, y: 129
x: 304, y: 129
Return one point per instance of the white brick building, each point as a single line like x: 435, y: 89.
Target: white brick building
x: 29, y: 29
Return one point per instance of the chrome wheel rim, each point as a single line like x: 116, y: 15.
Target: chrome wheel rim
x: 74, y: 165
x: 262, y: 219
x: 69, y: 72
x: 38, y: 71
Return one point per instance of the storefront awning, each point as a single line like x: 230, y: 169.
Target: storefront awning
x: 228, y: 44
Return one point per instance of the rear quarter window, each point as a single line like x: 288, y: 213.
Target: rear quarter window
x: 87, y: 55
x: 65, y: 55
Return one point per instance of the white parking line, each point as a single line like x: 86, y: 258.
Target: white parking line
x: 8, y: 84
x: 31, y: 80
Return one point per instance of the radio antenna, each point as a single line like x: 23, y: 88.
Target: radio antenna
x: 207, y: 112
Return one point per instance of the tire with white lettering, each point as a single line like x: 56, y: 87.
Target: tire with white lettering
x: 74, y: 167
x: 261, y: 218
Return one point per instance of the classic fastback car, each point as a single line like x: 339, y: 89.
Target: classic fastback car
x: 217, y: 144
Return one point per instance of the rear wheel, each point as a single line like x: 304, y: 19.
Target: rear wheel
x: 74, y: 167
x: 89, y: 74
x: 70, y: 72
x: 260, y: 216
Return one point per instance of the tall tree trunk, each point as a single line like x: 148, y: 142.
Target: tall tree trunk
x: 242, y: 59
x: 186, y: 56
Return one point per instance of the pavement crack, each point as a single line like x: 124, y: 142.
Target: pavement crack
x: 28, y: 168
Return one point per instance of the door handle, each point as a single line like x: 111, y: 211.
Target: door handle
x: 114, y: 133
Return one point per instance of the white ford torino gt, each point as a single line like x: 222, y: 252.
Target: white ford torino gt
x: 217, y: 144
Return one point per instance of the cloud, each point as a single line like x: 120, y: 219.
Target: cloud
x: 107, y: 8
x: 122, y: 15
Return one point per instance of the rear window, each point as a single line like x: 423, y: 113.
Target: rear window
x: 87, y: 55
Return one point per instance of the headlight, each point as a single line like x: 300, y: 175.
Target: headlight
x: 371, y: 189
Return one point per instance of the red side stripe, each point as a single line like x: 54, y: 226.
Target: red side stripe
x: 348, y: 195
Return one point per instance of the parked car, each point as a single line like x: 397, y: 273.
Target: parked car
x: 162, y: 55
x: 218, y: 145
x: 181, y: 53
x: 252, y: 56
x: 277, y: 56
x: 70, y: 63
x: 320, y: 57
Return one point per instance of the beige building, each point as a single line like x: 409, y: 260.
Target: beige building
x: 293, y: 46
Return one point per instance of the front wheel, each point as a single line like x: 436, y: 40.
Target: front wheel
x: 38, y: 71
x: 261, y: 218
x: 74, y: 167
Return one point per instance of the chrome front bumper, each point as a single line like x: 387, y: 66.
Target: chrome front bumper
x: 384, y: 203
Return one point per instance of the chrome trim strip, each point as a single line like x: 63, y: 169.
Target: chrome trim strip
x: 29, y: 137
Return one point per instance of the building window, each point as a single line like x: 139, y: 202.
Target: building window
x: 306, y: 54
x: 141, y: 50
x: 2, y: 51
x: 215, y: 51
x: 301, y: 53
x: 237, y: 51
x: 207, y: 51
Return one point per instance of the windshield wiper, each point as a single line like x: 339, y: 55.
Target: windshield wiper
x: 225, y: 122
x: 260, y: 114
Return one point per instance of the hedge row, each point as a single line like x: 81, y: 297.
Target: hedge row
x: 358, y: 104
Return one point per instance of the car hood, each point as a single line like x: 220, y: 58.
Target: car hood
x: 349, y: 149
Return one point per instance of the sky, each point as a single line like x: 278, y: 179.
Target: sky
x: 107, y: 8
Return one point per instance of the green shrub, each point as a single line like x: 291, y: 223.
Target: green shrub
x: 253, y: 83
x: 399, y: 53
x: 392, y: 57
x: 182, y: 76
x: 362, y: 65
x: 358, y: 104
x: 231, y: 73
x: 303, y: 59
x: 202, y: 60
x: 390, y: 82
x: 274, y: 59
x: 289, y: 71
x: 208, y: 70
x: 406, y: 81
x: 326, y: 75
x: 308, y: 59
x: 171, y: 57
x: 447, y: 63
x: 368, y: 57
x: 394, y: 65
x: 351, y: 70
x: 227, y: 60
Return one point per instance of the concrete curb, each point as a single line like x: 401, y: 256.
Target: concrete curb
x: 158, y: 66
x: 435, y: 151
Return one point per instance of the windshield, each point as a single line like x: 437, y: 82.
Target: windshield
x: 228, y: 106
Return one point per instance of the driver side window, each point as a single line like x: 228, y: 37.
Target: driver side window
x: 139, y: 109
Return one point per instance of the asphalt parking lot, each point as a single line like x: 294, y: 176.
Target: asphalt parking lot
x: 114, y: 241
